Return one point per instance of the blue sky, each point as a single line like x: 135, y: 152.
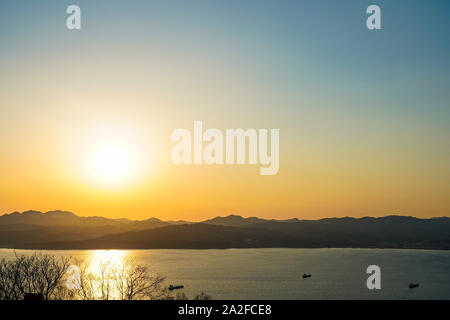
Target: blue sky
x: 315, y: 43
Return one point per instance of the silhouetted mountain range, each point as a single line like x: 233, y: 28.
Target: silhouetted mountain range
x: 21, y: 228
x: 65, y: 230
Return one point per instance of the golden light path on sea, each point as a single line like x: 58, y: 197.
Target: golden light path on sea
x: 100, y: 258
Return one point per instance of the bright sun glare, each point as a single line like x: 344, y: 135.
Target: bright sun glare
x: 112, y: 163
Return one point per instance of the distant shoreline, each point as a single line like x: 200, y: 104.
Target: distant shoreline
x: 58, y: 230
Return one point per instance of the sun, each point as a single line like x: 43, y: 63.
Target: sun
x: 113, y: 158
x: 111, y: 164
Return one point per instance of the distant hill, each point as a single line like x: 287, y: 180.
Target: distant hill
x: 230, y: 232
x: 233, y: 221
x: 64, y: 218
x: 238, y: 221
x: 21, y: 228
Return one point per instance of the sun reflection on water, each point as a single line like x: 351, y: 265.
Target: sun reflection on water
x: 98, y: 258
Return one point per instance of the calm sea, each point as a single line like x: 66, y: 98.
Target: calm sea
x: 277, y: 273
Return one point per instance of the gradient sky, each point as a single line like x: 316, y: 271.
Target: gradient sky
x: 363, y: 115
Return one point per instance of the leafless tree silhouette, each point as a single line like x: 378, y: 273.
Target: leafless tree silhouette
x: 120, y: 281
x: 45, y: 276
x: 39, y: 274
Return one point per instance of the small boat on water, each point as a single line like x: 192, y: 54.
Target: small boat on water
x: 172, y: 287
x: 413, y: 285
x: 305, y: 275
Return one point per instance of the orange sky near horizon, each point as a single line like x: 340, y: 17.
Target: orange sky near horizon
x: 363, y: 117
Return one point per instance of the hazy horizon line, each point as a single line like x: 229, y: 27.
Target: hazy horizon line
x: 226, y: 216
